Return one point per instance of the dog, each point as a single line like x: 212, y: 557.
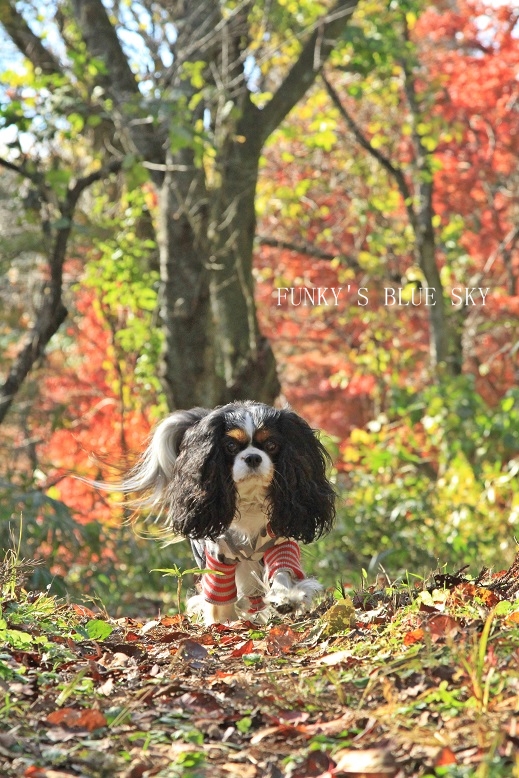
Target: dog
x: 245, y: 483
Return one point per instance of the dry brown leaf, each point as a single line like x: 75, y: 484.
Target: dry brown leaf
x: 372, y: 762
x: 442, y: 626
x: 238, y: 768
x: 335, y: 659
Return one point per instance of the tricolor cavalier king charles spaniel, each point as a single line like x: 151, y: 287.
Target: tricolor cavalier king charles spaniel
x: 244, y: 482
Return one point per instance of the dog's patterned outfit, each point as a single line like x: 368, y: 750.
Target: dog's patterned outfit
x: 224, y: 554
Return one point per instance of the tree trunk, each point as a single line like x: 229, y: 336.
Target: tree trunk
x: 426, y: 257
x: 214, y: 352
x: 445, y: 330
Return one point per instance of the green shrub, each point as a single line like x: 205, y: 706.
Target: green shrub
x: 432, y: 481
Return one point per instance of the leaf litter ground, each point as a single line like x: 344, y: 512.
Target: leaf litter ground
x: 407, y: 680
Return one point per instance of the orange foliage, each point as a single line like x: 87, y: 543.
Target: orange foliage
x: 103, y: 422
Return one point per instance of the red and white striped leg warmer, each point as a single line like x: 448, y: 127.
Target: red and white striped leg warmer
x: 257, y: 604
x: 285, y: 556
x: 219, y: 589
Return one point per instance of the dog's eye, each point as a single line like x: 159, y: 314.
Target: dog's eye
x: 231, y: 446
x: 271, y: 446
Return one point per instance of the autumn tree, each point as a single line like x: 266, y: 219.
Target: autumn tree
x: 402, y: 92
x: 331, y: 214
x: 188, y: 93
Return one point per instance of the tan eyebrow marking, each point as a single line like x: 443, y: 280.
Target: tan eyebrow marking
x: 238, y: 434
x: 262, y: 435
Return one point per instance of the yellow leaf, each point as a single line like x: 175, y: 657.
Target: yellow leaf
x: 410, y: 18
x: 54, y: 493
x: 359, y: 436
x: 351, y: 454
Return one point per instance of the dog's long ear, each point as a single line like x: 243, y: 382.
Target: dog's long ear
x: 201, y: 495
x: 302, y: 501
x: 153, y: 472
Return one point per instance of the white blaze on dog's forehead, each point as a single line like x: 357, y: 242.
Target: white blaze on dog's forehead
x: 248, y: 425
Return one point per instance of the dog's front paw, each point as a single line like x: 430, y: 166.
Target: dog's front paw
x: 288, y: 596
x: 210, y: 613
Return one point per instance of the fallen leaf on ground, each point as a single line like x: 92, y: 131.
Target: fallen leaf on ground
x: 313, y: 766
x: 245, y: 648
x: 445, y: 757
x: 415, y: 636
x: 77, y: 719
x: 372, y: 762
x: 192, y: 652
x: 281, y: 639
x: 340, y: 617
x: 335, y: 659
x: 238, y: 768
x: 441, y: 626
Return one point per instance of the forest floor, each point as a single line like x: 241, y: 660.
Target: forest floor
x: 397, y: 681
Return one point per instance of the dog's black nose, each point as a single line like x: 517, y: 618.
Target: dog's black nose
x: 253, y: 460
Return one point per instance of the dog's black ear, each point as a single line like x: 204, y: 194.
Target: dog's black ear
x: 201, y: 495
x: 302, y: 501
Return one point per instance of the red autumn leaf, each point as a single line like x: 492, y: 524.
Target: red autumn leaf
x: 230, y: 640
x: 61, y: 716
x: 83, y: 611
x: 207, y: 639
x: 73, y: 718
x: 170, y: 621
x: 223, y: 674
x: 244, y: 648
x: 281, y: 639
x: 445, y: 757
x: 415, y: 636
x: 172, y: 637
x: 91, y: 719
x: 469, y: 591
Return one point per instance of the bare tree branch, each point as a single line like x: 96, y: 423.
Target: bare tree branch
x: 304, y: 72
x: 120, y: 83
x: 361, y: 139
x: 36, y: 177
x: 311, y: 251
x: 23, y: 37
x: 52, y: 312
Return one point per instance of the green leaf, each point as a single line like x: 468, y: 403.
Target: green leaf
x: 252, y: 659
x: 17, y: 639
x: 98, y: 629
x: 244, y: 724
x: 507, y: 404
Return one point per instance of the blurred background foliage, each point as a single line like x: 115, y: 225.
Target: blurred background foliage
x: 426, y: 450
